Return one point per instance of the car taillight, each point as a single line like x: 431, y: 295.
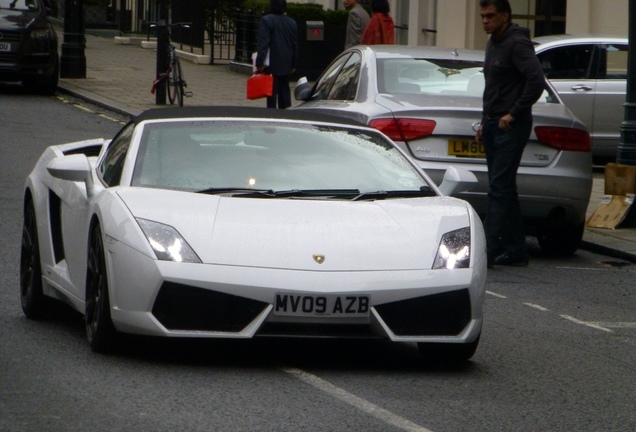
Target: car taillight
x: 563, y: 138
x: 404, y: 129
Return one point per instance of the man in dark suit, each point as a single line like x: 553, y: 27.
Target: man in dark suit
x: 356, y: 23
x: 278, y: 36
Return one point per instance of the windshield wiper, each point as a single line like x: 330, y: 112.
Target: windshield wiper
x: 424, y: 191
x: 302, y: 193
x: 290, y: 193
x: 234, y: 190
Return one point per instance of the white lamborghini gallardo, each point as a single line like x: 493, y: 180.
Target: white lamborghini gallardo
x: 231, y: 222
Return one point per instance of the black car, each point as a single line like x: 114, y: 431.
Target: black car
x: 28, y: 45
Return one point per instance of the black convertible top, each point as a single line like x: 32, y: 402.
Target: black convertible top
x: 242, y: 112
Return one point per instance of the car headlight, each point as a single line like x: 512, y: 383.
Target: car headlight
x: 167, y: 243
x: 454, y: 250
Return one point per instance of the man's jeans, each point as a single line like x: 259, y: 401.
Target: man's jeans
x: 504, y: 224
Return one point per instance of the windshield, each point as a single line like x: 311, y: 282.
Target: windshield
x: 21, y: 5
x: 228, y: 155
x: 435, y: 77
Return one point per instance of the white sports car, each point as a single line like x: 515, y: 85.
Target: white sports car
x: 232, y: 222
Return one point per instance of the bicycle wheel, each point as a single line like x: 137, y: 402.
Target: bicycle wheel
x: 171, y: 82
x: 179, y: 83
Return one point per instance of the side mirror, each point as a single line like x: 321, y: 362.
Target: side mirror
x: 457, y: 180
x: 74, y: 168
x: 302, y: 92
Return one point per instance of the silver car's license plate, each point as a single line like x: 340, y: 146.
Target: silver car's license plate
x: 5, y: 46
x: 466, y: 148
x: 321, y: 305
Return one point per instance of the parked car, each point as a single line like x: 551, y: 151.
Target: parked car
x: 232, y: 222
x: 590, y: 75
x: 28, y: 46
x: 429, y: 101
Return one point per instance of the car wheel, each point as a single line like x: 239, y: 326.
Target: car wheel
x: 559, y: 240
x: 48, y: 86
x: 31, y: 296
x: 447, y: 352
x: 100, y: 330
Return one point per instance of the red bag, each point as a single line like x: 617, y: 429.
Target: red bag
x: 260, y: 86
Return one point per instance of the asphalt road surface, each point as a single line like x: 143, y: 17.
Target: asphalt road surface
x: 558, y: 350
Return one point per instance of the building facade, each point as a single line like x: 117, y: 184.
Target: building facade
x: 454, y: 23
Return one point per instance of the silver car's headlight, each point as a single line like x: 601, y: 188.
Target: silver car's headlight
x: 454, y: 250
x: 167, y: 242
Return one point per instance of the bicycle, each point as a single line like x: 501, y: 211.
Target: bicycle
x: 173, y: 77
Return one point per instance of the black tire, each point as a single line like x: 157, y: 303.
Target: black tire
x: 31, y: 297
x: 179, y: 83
x: 100, y: 330
x: 448, y: 352
x: 561, y: 241
x: 47, y: 86
x: 171, y: 84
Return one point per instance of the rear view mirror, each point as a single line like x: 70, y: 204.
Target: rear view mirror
x: 302, y: 92
x: 457, y: 180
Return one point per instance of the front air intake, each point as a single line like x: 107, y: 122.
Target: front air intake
x: 183, y: 307
x: 445, y: 314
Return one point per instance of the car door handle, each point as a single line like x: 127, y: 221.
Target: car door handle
x: 581, y: 88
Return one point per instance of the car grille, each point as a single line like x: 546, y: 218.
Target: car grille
x: 12, y: 37
x: 445, y: 314
x: 182, y: 307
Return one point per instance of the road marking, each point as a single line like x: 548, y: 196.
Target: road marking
x: 364, y: 405
x: 536, y: 306
x: 588, y: 324
x: 112, y: 119
x: 496, y: 295
x: 609, y: 324
x: 82, y: 107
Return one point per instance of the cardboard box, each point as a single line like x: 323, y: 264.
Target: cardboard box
x: 611, y: 211
x: 620, y: 179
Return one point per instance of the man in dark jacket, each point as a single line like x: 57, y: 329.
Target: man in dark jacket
x: 514, y: 82
x: 278, y: 38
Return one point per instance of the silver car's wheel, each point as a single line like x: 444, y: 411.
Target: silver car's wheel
x: 31, y: 297
x: 99, y: 327
x: 448, y: 352
x: 561, y: 241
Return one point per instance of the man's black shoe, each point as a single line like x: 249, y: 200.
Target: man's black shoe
x: 506, y: 260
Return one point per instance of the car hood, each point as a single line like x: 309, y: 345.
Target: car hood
x: 10, y: 19
x: 287, y: 233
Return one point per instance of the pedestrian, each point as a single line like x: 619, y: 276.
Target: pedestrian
x: 356, y: 23
x: 514, y: 82
x: 277, y: 40
x: 381, y: 28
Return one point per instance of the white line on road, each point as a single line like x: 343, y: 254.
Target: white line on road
x: 592, y: 325
x: 496, y: 295
x: 609, y: 324
x: 536, y: 306
x: 364, y: 405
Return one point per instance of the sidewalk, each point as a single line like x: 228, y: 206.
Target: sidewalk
x: 120, y: 78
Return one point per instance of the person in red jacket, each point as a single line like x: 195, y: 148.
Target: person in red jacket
x: 381, y: 29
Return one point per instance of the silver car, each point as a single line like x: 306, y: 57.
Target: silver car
x: 590, y: 75
x: 429, y: 101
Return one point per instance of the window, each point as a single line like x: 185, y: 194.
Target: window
x: 346, y: 84
x: 327, y: 79
x: 613, y: 62
x: 569, y: 62
x: 112, y: 165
